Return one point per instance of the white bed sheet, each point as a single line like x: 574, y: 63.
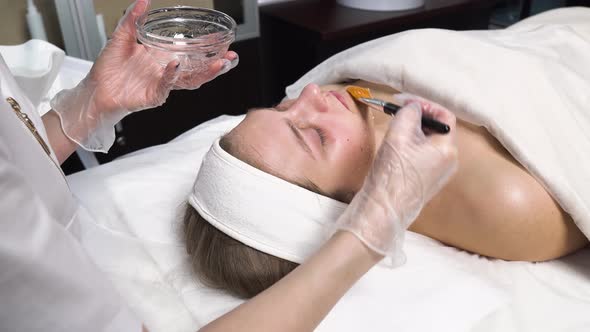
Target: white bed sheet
x: 134, y: 237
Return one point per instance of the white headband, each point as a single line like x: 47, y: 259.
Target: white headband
x: 260, y: 210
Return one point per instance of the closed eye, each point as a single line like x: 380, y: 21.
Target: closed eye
x: 322, y: 135
x: 299, y: 137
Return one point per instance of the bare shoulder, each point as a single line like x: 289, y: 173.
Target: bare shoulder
x: 495, y: 207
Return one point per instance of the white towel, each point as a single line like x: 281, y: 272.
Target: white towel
x: 528, y: 85
x: 261, y: 210
x: 34, y: 65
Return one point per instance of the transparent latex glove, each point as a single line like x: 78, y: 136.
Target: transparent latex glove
x: 410, y: 167
x: 123, y: 79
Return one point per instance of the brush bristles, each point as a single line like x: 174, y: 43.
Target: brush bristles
x: 357, y: 92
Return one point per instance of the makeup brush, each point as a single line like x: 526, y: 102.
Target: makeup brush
x: 364, y: 95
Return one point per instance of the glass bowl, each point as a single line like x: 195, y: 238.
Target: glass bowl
x: 195, y: 36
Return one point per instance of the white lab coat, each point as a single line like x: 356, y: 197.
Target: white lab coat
x: 47, y: 282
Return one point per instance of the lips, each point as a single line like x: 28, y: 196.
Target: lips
x: 340, y: 98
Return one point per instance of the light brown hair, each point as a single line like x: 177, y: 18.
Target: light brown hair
x: 222, y: 262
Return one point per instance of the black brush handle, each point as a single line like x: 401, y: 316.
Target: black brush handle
x: 427, y: 122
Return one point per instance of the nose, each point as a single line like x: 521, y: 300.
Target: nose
x: 312, y: 99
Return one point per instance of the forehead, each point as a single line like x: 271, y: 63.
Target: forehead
x: 263, y: 140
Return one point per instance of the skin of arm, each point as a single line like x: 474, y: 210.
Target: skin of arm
x: 321, y: 281
x: 61, y: 144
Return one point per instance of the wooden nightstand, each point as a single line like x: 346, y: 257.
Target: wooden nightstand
x: 298, y: 35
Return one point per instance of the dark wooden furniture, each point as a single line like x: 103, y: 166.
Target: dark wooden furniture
x: 298, y: 35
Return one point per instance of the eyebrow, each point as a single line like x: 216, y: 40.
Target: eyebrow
x: 300, y: 139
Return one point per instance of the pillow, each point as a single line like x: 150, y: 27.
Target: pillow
x: 130, y: 227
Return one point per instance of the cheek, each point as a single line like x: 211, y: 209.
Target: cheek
x: 354, y: 156
x: 358, y: 159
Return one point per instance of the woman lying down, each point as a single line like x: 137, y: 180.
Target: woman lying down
x: 325, y: 142
x: 322, y: 144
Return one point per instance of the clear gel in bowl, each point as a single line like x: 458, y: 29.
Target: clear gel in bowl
x: 195, y: 36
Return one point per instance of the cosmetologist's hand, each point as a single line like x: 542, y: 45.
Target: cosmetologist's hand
x: 409, y: 169
x: 132, y: 79
x: 125, y: 78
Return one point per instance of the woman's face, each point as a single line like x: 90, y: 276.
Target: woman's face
x: 321, y: 141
